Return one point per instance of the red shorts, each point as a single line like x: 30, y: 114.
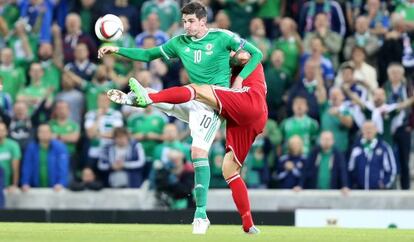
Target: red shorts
x: 245, y: 111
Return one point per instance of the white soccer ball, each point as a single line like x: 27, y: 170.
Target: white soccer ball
x: 109, y: 28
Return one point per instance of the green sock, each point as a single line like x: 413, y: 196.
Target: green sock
x: 201, y: 184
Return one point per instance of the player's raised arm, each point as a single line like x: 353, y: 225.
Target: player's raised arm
x: 137, y: 54
x: 255, y: 59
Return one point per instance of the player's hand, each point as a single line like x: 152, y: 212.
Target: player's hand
x: 107, y: 50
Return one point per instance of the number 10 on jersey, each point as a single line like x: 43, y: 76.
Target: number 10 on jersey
x: 197, y: 56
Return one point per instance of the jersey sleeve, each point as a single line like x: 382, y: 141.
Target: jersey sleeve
x: 169, y: 49
x: 15, y: 150
x: 139, y: 54
x: 235, y: 43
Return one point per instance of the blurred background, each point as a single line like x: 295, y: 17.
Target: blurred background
x: 339, y: 76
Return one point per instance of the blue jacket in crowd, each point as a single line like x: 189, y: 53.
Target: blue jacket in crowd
x: 339, y: 174
x: 372, y: 166
x: 133, y: 164
x: 290, y: 179
x: 57, y: 163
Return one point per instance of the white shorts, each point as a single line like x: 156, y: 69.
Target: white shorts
x: 203, y: 121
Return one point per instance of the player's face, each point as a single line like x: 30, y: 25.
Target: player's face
x: 193, y: 25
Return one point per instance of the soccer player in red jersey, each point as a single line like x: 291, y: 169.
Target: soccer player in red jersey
x: 243, y: 106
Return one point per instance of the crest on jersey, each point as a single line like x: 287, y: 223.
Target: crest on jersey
x: 209, y: 48
x: 187, y: 49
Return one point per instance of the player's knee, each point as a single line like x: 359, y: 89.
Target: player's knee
x: 200, y: 90
x: 197, y: 153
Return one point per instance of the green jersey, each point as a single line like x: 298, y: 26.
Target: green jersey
x: 406, y: 10
x: 144, y: 124
x: 9, y: 151
x: 333, y: 123
x: 168, y: 12
x: 206, y: 59
x: 93, y: 90
x: 14, y: 80
x: 69, y: 127
x: 305, y: 127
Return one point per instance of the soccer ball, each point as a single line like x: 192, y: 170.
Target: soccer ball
x: 109, y: 28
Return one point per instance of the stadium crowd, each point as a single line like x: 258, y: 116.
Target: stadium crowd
x: 339, y: 77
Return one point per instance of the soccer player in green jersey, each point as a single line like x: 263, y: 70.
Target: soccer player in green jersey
x: 205, y: 54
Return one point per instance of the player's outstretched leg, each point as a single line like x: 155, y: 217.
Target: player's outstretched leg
x: 119, y: 97
x: 142, y: 99
x: 173, y: 95
x: 231, y: 172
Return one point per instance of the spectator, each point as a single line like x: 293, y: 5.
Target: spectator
x: 221, y: 20
x: 38, y: 15
x: 167, y: 10
x: 151, y: 28
x: 316, y: 55
x: 65, y: 129
x: 290, y: 165
x: 14, y: 78
x: 332, y: 8
x: 240, y: 13
x: 278, y: 81
x: 363, y: 72
x: 363, y: 39
x: 21, y: 125
x: 73, y: 36
x: 346, y: 76
x: 397, y: 48
x: 10, y: 156
x: 122, y: 161
x: 372, y: 164
x: 256, y: 170
x: 330, y: 39
x: 126, y: 39
x: 406, y: 9
x: 336, y: 117
x: 170, y: 142
x: 325, y: 167
x: 124, y: 8
x: 258, y: 37
x: 89, y: 11
x: 10, y: 13
x: 147, y: 128
x: 50, y: 64
x: 308, y: 88
x: 35, y: 92
x: 217, y: 152
x: 88, y: 182
x: 45, y: 162
x: 290, y: 44
x: 300, y: 124
x: 24, y: 44
x: 6, y: 105
x: 82, y: 66
x: 381, y: 113
x: 99, y: 126
x: 378, y: 19
x: 272, y: 11
x: 175, y: 181
x: 398, y: 90
x: 73, y: 97
x: 353, y: 10
x: 100, y: 83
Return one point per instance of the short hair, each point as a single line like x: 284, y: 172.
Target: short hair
x: 347, y: 65
x: 357, y: 48
x: 120, y: 131
x: 196, y: 8
x: 300, y: 98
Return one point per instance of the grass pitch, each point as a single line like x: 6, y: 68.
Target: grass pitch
x: 44, y: 232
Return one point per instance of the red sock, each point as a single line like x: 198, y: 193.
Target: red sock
x: 173, y: 95
x: 241, y: 199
